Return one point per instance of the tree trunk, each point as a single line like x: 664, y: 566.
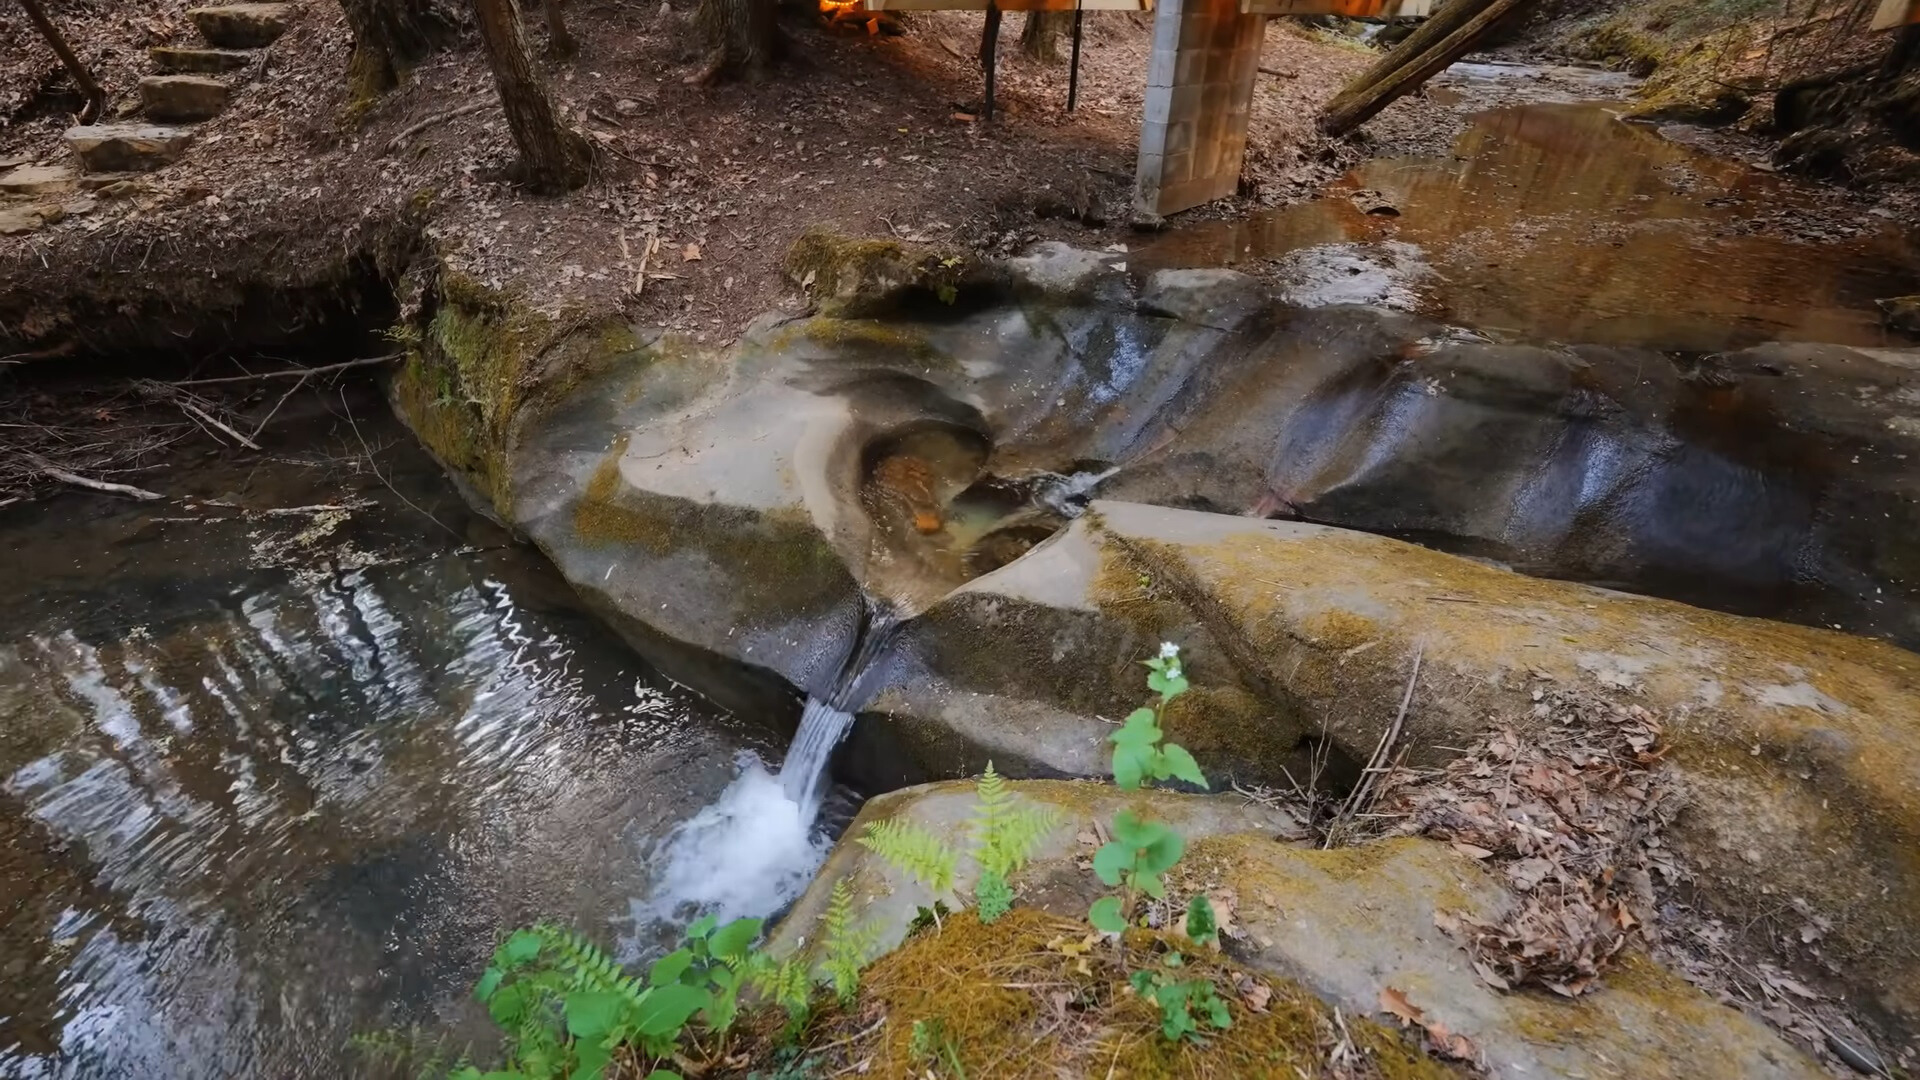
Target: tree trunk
x: 1451, y: 17
x: 390, y: 36
x: 1040, y: 35
x: 1355, y: 106
x: 553, y: 157
x: 559, y: 42
x: 82, y: 78
x: 740, y: 35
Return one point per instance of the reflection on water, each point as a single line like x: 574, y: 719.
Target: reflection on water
x: 1561, y: 222
x: 246, y: 811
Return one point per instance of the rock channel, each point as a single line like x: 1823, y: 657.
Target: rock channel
x: 1039, y: 471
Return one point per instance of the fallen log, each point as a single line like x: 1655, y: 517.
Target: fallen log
x: 1351, y: 109
x: 1444, y: 22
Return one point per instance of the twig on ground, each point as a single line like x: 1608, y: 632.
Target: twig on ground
x: 289, y: 373
x: 198, y: 413
x: 380, y: 476
x: 271, y: 413
x: 107, y: 486
x: 1377, y: 764
x: 438, y: 118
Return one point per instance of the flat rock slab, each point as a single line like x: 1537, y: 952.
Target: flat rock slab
x: 182, y: 97
x: 127, y: 147
x: 19, y: 219
x: 241, y: 26
x: 172, y: 58
x: 1347, y: 924
x: 37, y: 180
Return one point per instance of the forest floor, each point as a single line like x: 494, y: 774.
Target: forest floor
x: 878, y: 135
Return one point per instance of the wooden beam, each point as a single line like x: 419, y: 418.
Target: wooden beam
x: 1398, y: 74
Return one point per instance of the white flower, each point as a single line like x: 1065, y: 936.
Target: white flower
x: 1172, y: 671
x: 1168, y: 650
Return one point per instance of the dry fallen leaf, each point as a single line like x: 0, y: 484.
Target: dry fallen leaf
x: 1491, y: 977
x: 1256, y: 994
x: 692, y: 254
x: 1395, y: 1002
x: 1471, y: 851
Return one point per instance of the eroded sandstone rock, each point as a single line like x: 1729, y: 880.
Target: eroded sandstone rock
x: 1346, y: 923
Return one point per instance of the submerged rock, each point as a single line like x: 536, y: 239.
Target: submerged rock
x: 1348, y: 923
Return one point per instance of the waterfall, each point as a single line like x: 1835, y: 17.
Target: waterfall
x: 755, y: 848
x: 821, y: 728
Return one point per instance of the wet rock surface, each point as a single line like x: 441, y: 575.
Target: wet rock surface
x: 1348, y: 923
x: 1799, y: 746
x: 915, y: 491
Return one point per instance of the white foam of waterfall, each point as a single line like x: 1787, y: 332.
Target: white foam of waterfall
x: 749, y: 853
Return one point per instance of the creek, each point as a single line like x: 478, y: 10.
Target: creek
x: 281, y: 756
x: 270, y: 779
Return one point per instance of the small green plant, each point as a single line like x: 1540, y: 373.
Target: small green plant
x: 401, y: 1052
x: 1142, y: 850
x: 930, y: 1045
x: 1185, y: 1004
x: 1003, y: 834
x: 846, y: 943
x: 565, y: 1006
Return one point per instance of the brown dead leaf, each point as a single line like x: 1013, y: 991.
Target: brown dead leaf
x: 1472, y: 851
x: 965, y: 118
x: 691, y: 254
x: 1489, y: 976
x: 1394, y: 1002
x: 1254, y: 993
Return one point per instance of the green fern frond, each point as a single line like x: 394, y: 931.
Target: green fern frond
x: 586, y: 966
x: 844, y: 941
x: 913, y: 851
x: 1005, y: 833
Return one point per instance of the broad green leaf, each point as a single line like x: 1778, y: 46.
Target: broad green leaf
x: 593, y: 1014
x: 668, y: 1008
x: 1106, y: 917
x: 1130, y: 766
x: 508, y: 1006
x: 1177, y: 763
x: 592, y: 1058
x: 1135, y: 831
x: 734, y: 939
x: 670, y: 967
x: 1140, y: 729
x: 1201, y: 925
x: 489, y: 982
x: 1141, y: 981
x: 1167, y: 688
x: 702, y: 926
x: 1161, y: 850
x: 1151, y: 884
x: 520, y: 948
x: 1112, y: 862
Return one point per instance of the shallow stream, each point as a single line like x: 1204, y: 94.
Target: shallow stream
x: 269, y: 779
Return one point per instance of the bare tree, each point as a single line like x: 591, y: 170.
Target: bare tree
x: 390, y: 36
x: 741, y: 37
x: 559, y: 42
x: 553, y: 157
x: 1040, y: 35
x: 82, y: 78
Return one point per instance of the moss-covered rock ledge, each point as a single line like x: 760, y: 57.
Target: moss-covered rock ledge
x: 1326, y: 928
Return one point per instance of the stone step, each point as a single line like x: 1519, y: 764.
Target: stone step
x: 182, y: 97
x: 37, y: 180
x: 177, y: 60
x: 241, y: 26
x: 127, y: 147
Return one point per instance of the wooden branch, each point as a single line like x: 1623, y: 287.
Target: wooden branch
x: 439, y: 118
x: 290, y: 373
x: 204, y: 416
x: 96, y: 97
x: 1353, y: 108
x: 107, y: 486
